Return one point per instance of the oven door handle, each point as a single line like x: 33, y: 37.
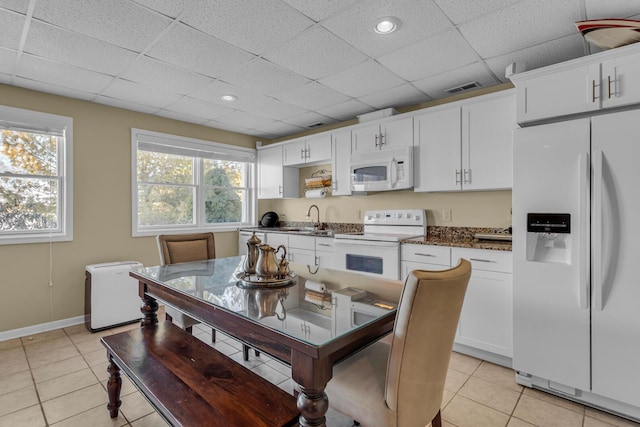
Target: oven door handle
x: 377, y: 243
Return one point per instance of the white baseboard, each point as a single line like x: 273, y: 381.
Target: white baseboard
x: 43, y: 327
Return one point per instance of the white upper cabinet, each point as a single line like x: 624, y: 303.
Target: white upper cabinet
x: 307, y: 151
x: 604, y: 80
x: 275, y: 181
x: 379, y: 136
x: 467, y: 146
x: 341, y: 172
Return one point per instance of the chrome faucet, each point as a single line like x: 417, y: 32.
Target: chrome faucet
x: 316, y: 225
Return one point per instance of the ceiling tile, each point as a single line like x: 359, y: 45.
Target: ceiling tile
x: 137, y: 93
x: 254, y: 26
x: 346, y: 110
x: 276, y: 109
x: 310, y: 118
x: 193, y: 50
x: 230, y: 127
x: 35, y: 68
x: 319, y: 10
x: 7, y: 60
x: 541, y: 55
x: 598, y: 9
x: 264, y: 77
x: 316, y: 53
x: 11, y: 24
x: 187, y: 118
x: 419, y: 19
x: 518, y: 26
x: 312, y: 96
x: 164, y: 76
x: 280, y: 128
x: 212, y: 93
x: 15, y: 5
x: 417, y: 61
x: 243, y: 119
x: 364, y: 79
x: 435, y: 86
x: 118, y: 22
x: 72, y: 48
x: 52, y: 88
x: 198, y: 108
x: 459, y: 11
x: 171, y: 8
x: 119, y: 103
x: 400, y: 96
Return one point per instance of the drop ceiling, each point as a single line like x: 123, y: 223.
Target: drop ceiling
x: 290, y: 63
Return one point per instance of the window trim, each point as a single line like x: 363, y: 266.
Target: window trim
x: 36, y: 121
x: 191, y: 146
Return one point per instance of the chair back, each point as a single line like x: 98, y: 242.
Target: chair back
x: 422, y: 341
x: 186, y: 247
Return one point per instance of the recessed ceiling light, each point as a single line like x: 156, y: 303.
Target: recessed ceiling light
x: 228, y: 98
x: 386, y: 25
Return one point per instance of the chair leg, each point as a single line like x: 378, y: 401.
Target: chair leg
x: 437, y: 420
x: 213, y: 335
x: 245, y: 352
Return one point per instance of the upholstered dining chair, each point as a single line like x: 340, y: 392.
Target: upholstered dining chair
x: 401, y: 384
x: 176, y: 248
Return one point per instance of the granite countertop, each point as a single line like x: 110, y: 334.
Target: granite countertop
x: 461, y: 237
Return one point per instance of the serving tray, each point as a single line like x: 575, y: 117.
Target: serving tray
x: 254, y: 281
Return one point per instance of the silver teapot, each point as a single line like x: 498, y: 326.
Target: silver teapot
x: 268, y: 266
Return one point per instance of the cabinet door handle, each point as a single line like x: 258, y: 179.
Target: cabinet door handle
x: 377, y: 136
x: 467, y: 176
x: 458, y: 176
x: 419, y: 254
x: 279, y: 189
x: 593, y: 91
x: 609, y: 86
x: 482, y: 260
x: 302, y: 153
x: 324, y: 244
x: 383, y: 139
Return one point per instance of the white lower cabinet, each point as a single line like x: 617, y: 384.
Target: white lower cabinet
x: 486, y: 321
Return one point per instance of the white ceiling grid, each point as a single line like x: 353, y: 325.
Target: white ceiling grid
x: 291, y: 63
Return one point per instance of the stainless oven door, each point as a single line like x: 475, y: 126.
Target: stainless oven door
x: 376, y: 258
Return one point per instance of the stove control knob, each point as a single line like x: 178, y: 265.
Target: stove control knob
x: 398, y: 215
x: 408, y: 215
x: 368, y: 217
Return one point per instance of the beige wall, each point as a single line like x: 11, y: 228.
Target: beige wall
x: 102, y: 209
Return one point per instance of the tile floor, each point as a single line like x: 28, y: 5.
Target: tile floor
x: 58, y: 379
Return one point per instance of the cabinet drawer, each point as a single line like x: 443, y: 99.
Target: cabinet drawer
x: 277, y: 239
x: 302, y: 242
x: 481, y: 259
x: 324, y: 244
x: 440, y: 255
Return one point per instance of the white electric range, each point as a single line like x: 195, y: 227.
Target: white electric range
x: 376, y: 251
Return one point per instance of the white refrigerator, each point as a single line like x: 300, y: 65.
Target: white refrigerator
x: 576, y: 250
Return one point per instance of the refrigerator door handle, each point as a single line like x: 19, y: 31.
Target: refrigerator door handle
x: 597, y: 230
x: 583, y: 284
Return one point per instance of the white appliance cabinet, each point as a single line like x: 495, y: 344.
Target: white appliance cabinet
x: 341, y: 168
x: 466, y: 146
x: 276, y: 181
x: 307, y: 151
x: 485, y: 329
x: 605, y: 80
x: 391, y: 133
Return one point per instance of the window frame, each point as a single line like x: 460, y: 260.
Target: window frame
x: 191, y: 147
x: 36, y: 121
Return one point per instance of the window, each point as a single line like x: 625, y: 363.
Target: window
x: 185, y: 184
x: 36, y: 196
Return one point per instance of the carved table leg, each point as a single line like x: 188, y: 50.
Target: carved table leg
x: 114, y: 385
x: 149, y: 310
x: 313, y: 405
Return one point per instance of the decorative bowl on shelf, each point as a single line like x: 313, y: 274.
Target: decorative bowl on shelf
x: 610, y: 33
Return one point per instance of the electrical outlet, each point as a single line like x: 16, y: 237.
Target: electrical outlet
x: 446, y: 215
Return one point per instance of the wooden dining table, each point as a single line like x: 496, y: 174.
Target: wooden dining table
x: 294, y: 321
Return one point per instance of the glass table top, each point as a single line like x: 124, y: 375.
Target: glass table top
x: 301, y: 309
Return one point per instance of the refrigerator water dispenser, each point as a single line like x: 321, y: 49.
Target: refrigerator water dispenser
x: 549, y: 237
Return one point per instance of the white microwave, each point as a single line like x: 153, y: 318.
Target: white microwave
x: 384, y: 170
